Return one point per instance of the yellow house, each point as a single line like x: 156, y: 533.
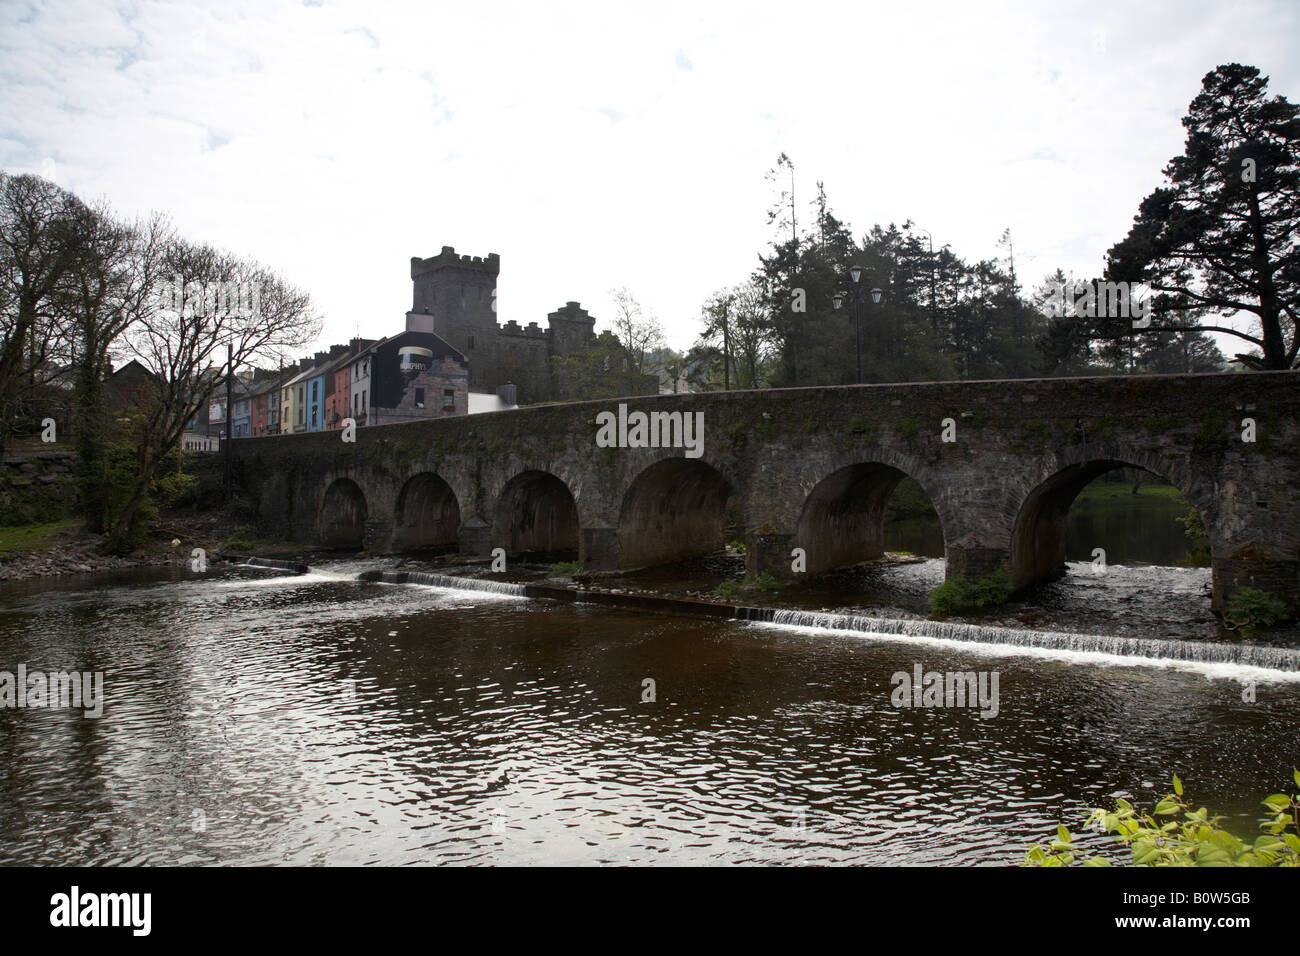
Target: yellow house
x: 293, y: 404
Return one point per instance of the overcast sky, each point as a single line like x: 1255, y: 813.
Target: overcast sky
x: 603, y: 145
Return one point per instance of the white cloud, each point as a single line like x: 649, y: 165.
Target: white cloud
x: 593, y: 147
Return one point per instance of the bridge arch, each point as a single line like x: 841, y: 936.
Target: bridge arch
x: 842, y: 521
x: 536, y: 512
x: 1040, y: 507
x: 342, y: 523
x: 674, y: 509
x: 427, y: 514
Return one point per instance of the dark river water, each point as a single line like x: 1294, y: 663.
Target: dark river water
x: 255, y: 717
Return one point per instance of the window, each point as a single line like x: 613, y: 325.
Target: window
x: 471, y: 341
x: 448, y: 399
x: 133, y: 396
x: 315, y: 391
x: 419, y: 398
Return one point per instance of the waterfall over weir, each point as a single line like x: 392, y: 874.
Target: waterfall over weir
x: 444, y: 581
x: 1201, y: 652
x: 275, y: 565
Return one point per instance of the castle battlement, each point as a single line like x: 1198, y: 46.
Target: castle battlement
x: 531, y: 331
x: 448, y: 258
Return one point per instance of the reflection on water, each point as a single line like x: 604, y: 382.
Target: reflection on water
x: 258, y: 718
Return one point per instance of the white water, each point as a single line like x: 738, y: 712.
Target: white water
x: 1232, y: 661
x: 452, y: 582
x: 271, y: 563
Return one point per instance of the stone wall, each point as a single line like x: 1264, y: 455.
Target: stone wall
x: 38, y: 488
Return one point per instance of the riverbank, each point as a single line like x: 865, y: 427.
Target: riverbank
x: 63, y: 548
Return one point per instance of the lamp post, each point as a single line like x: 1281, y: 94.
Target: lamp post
x: 855, y: 290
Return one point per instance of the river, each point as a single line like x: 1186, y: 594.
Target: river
x: 257, y: 717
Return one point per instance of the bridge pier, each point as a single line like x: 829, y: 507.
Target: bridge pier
x: 1249, y: 568
x: 377, y: 533
x: 475, y: 541
x: 598, y: 549
x: 769, y: 551
x: 973, y: 560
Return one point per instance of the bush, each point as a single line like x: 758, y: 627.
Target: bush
x: 1184, y: 837
x: 728, y: 590
x: 736, y: 547
x: 967, y: 594
x: 244, y: 538
x: 764, y: 582
x: 174, y: 489
x: 1251, y: 609
x: 564, y: 569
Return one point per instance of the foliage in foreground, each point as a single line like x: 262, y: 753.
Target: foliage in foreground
x: 968, y: 594
x: 1184, y: 836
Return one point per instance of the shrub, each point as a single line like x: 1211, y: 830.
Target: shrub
x: 243, y: 538
x: 728, y: 590
x: 1184, y: 836
x: 736, y: 546
x: 967, y: 594
x: 1251, y: 609
x: 564, y: 569
x: 764, y: 582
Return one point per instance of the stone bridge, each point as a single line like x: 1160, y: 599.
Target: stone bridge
x: 807, y: 468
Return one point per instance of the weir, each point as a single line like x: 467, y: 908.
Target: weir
x: 1149, y: 649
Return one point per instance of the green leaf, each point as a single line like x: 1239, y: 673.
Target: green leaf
x: 1178, y: 785
x: 1062, y: 833
x: 1296, y: 775
x: 1144, y: 851
x: 1097, y: 861
x: 1166, y: 807
x: 1278, y: 801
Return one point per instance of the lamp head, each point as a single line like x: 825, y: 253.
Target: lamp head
x: 855, y: 272
x: 875, y: 296
x: 837, y: 300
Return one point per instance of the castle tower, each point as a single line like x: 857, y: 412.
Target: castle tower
x: 572, y: 328
x: 460, y: 293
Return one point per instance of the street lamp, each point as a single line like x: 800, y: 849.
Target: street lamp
x: 855, y: 288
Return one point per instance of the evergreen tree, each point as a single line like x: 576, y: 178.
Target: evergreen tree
x: 1221, y: 236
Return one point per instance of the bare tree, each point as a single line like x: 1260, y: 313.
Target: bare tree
x: 217, y: 314
x: 639, y: 332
